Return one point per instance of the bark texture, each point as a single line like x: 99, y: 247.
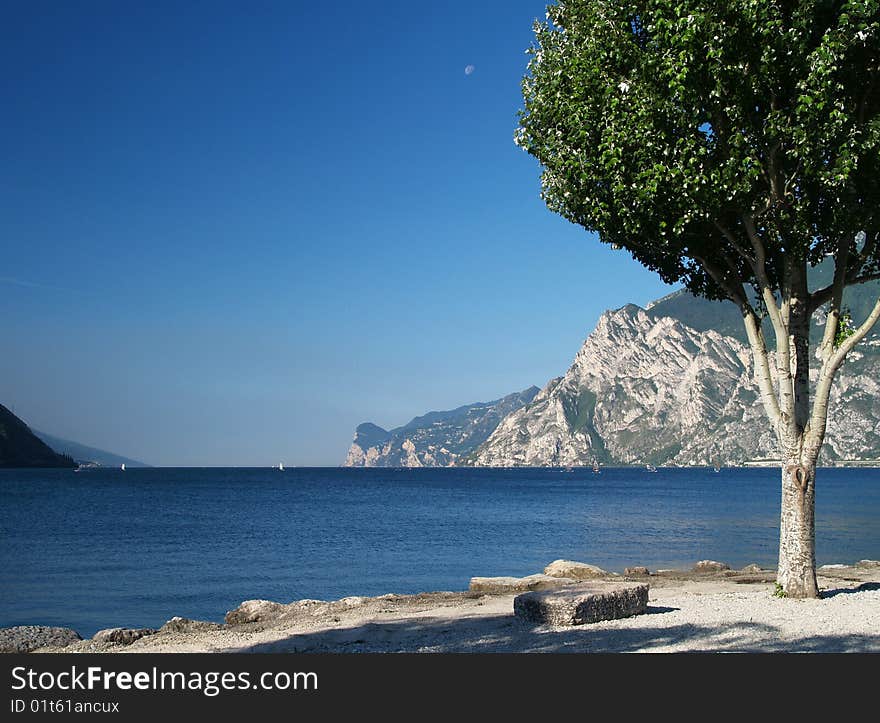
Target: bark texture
x: 797, y: 530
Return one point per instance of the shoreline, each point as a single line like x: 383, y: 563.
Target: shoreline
x: 713, y: 611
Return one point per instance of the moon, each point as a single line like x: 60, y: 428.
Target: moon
x: 468, y: 69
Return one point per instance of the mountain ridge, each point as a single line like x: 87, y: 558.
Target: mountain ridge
x: 668, y: 384
x: 20, y: 447
x: 649, y: 389
x: 434, y: 439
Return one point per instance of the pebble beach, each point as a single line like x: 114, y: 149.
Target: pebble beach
x: 688, y: 611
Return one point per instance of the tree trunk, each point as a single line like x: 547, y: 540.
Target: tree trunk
x: 797, y: 530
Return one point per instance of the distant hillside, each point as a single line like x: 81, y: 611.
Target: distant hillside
x: 19, y: 447
x: 435, y: 439
x: 83, y: 454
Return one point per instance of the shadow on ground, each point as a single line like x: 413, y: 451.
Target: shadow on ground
x: 850, y: 590
x: 504, y: 634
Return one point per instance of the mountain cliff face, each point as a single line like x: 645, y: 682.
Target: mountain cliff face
x: 646, y: 388
x: 19, y: 447
x: 436, y: 439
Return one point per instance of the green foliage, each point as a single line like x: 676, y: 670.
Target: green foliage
x: 845, y: 327
x: 779, y: 592
x: 579, y: 413
x: 663, y: 125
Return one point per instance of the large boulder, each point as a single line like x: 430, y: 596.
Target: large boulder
x: 24, y: 638
x: 580, y: 604
x: 637, y: 571
x: 574, y: 570
x: 121, y: 636
x: 254, y: 611
x: 507, y: 585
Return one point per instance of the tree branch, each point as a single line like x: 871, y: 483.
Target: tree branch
x: 736, y: 292
x: 819, y: 417
x: 822, y: 296
x: 762, y: 369
x: 868, y: 250
x: 758, y: 344
x: 733, y: 242
x: 779, y: 319
x: 856, y: 265
x: 841, y: 258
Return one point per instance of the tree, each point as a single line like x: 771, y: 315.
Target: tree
x: 728, y: 146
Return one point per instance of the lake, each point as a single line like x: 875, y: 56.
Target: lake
x: 104, y: 548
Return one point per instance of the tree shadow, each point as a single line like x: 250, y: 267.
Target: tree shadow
x: 850, y: 590
x: 495, y: 633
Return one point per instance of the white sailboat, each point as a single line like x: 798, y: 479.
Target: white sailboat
x: 122, y: 467
x: 280, y: 466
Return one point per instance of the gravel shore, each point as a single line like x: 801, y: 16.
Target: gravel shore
x: 686, y: 612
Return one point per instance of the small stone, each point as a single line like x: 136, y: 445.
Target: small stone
x: 637, y: 570
x: 185, y: 625
x: 710, y: 566
x: 254, y: 611
x: 574, y: 570
x: 580, y: 604
x: 752, y: 569
x: 122, y: 636
x: 24, y: 638
x: 507, y: 585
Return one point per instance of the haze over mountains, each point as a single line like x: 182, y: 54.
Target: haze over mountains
x: 21, y: 446
x: 670, y: 384
x: 85, y: 454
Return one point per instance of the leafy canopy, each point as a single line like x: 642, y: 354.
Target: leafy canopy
x: 674, y: 129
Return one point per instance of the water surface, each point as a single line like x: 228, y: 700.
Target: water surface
x: 105, y: 548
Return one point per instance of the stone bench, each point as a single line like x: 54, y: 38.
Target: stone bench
x: 579, y: 604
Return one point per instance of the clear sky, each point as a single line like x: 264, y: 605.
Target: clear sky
x: 230, y: 232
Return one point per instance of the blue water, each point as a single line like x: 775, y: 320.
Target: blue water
x: 104, y: 548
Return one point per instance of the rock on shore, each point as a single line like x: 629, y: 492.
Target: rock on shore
x: 574, y: 570
x: 122, y: 636
x: 24, y: 638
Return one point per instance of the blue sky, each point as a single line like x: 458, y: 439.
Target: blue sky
x: 231, y: 232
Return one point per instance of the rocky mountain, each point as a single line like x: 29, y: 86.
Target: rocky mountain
x: 19, y: 447
x: 646, y: 388
x: 669, y: 384
x: 87, y: 455
x: 436, y: 439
